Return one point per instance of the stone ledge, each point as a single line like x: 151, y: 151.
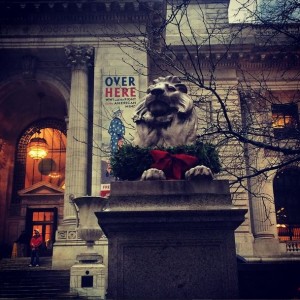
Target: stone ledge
x: 171, y: 220
x: 169, y: 195
x: 169, y: 187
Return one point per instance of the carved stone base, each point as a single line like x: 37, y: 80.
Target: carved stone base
x: 89, y: 258
x: 177, y: 243
x: 88, y: 280
x: 265, y: 245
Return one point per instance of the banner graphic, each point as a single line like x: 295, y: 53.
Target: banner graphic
x: 120, y: 94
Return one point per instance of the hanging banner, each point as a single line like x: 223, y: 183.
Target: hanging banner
x: 120, y: 94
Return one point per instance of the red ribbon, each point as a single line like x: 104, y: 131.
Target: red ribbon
x: 173, y: 165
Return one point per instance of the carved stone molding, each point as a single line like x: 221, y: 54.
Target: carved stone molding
x: 79, y: 11
x: 79, y: 56
x: 29, y: 63
x: 225, y: 58
x: 80, y: 5
x: 66, y: 235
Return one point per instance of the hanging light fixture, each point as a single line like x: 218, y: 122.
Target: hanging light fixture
x: 37, y: 147
x: 54, y: 175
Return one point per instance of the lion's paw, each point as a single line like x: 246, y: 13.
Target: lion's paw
x: 199, y: 172
x: 153, y: 174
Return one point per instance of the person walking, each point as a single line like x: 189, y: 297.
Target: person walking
x: 35, y: 242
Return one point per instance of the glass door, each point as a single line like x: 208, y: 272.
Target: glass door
x: 45, y: 220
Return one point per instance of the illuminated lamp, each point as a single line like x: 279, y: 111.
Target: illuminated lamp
x: 37, y: 148
x: 54, y: 175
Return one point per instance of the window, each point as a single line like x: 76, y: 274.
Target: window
x: 285, y: 120
x: 51, y: 168
x: 287, y: 203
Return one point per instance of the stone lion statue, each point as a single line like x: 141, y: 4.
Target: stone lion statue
x: 167, y: 117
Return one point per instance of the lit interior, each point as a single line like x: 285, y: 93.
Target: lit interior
x: 50, y: 168
x: 282, y: 121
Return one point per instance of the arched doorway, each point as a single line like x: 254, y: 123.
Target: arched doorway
x: 287, y: 203
x: 22, y: 112
x: 39, y: 181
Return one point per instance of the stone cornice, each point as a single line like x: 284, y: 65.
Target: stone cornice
x: 58, y: 11
x: 249, y: 58
x: 80, y: 4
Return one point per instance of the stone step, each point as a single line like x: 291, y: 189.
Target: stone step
x: 23, y: 263
x: 45, y: 296
x: 18, y: 280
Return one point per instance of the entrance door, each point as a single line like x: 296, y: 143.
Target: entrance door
x: 45, y: 220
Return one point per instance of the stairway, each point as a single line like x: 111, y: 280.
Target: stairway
x: 18, y: 280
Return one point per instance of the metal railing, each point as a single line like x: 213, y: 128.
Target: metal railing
x: 290, y: 235
x: 293, y: 246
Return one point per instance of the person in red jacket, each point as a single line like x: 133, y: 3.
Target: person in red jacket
x: 35, y: 242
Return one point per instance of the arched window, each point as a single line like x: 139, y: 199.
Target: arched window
x: 49, y: 169
x: 287, y: 203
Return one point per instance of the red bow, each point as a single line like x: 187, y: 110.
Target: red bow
x: 173, y: 165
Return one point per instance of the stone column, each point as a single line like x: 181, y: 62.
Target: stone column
x: 261, y: 202
x: 263, y: 218
x: 77, y: 142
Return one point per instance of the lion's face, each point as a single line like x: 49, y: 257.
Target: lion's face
x: 166, y: 96
x: 161, y: 98
x: 166, y: 116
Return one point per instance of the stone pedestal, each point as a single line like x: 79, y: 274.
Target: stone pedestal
x: 171, y: 240
x: 88, y: 280
x: 88, y: 276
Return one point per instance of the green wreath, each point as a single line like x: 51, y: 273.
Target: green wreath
x: 129, y: 162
